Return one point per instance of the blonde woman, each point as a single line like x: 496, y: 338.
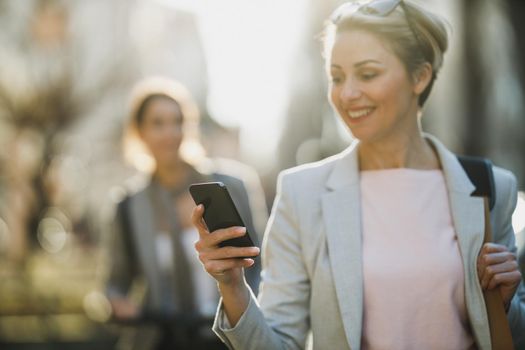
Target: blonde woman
x: 380, y: 246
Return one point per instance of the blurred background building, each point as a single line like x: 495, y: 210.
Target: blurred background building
x: 254, y: 67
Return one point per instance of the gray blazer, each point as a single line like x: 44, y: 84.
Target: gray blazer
x: 312, y: 294
x: 133, y: 252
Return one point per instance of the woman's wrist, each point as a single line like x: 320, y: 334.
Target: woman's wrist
x: 235, y: 300
x: 235, y: 289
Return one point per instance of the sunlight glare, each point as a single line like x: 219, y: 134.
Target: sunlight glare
x: 518, y: 217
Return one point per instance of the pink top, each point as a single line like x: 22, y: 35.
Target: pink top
x: 413, y: 273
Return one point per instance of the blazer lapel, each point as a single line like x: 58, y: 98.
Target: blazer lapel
x: 342, y: 220
x: 144, y: 234
x: 468, y: 218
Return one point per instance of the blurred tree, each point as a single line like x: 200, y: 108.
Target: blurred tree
x: 40, y: 99
x: 66, y: 69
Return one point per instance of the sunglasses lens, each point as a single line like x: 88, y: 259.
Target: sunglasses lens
x: 375, y: 8
x: 380, y: 7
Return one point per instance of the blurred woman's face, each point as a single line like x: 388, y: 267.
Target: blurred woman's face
x: 161, y: 129
x: 370, y: 88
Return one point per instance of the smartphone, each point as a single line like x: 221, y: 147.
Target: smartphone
x: 219, y: 211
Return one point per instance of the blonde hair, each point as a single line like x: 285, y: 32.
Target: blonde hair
x: 415, y: 35
x: 145, y: 91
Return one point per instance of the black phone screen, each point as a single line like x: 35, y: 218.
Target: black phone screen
x: 219, y: 210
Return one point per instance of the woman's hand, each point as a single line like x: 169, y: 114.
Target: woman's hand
x: 498, y: 268
x: 222, y: 263
x: 225, y: 264
x: 124, y: 309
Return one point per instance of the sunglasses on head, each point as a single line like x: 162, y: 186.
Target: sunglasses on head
x: 379, y: 8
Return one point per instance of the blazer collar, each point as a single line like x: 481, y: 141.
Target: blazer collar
x: 346, y: 168
x: 455, y: 177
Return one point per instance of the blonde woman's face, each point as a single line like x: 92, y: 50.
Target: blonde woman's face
x: 370, y: 88
x: 161, y: 129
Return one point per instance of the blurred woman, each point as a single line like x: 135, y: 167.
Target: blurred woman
x: 376, y: 247
x: 153, y: 237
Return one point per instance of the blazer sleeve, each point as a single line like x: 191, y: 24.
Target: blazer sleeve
x: 280, y: 319
x: 122, y: 265
x: 506, y: 199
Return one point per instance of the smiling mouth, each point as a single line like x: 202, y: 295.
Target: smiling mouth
x: 360, y: 113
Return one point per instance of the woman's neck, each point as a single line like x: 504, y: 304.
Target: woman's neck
x: 172, y: 175
x: 411, y: 152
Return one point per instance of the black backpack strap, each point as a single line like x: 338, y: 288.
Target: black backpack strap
x: 479, y: 171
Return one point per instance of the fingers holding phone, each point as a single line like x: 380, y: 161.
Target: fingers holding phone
x: 224, y: 263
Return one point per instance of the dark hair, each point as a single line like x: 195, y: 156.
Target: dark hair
x: 148, y: 90
x: 139, y: 113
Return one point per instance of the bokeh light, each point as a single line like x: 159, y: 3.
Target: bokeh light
x: 97, y: 306
x: 53, y: 230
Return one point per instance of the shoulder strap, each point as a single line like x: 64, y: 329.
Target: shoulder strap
x: 479, y: 171
x: 500, y: 333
